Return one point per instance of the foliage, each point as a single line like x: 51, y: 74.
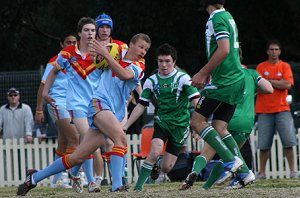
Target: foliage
x: 30, y: 29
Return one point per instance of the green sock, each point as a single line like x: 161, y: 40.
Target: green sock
x: 199, y: 163
x: 145, y: 173
x: 158, y: 161
x: 214, y: 175
x: 211, y: 136
x: 232, y: 145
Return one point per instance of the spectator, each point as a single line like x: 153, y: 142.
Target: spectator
x: 273, y: 109
x: 16, y: 119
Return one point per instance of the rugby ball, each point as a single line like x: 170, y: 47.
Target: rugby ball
x: 101, y: 62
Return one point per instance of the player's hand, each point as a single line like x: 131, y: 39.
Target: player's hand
x: 196, y: 136
x: 39, y: 117
x: 98, y: 48
x: 199, y: 80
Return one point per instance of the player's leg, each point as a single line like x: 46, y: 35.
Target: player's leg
x: 199, y: 164
x: 87, y: 147
x: 199, y: 123
x: 157, y: 145
x: 83, y: 126
x: 98, y: 166
x: 107, y: 122
x: 68, y: 137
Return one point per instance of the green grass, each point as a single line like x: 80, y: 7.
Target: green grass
x: 264, y: 188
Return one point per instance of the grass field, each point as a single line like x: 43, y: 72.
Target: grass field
x: 285, y: 188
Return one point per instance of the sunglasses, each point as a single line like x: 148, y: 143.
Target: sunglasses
x: 274, y: 49
x: 11, y: 95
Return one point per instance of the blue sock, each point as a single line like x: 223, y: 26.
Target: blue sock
x: 58, y: 175
x: 116, y: 162
x: 124, y: 164
x: 56, y: 167
x: 88, y: 170
x: 75, y: 170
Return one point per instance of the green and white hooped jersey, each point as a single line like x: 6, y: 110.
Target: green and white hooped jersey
x: 173, y: 93
x: 221, y: 25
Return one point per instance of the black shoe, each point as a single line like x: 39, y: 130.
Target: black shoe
x: 155, y: 172
x: 120, y: 189
x: 190, y: 180
x: 27, y: 185
x: 125, y: 183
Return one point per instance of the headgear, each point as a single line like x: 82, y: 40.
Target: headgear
x: 104, y: 19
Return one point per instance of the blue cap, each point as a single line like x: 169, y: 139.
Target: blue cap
x: 104, y: 19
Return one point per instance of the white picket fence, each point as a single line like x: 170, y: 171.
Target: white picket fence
x: 16, y: 157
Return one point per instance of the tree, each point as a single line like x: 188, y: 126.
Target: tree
x: 30, y: 28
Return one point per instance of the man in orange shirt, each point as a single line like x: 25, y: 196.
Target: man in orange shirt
x: 273, y: 109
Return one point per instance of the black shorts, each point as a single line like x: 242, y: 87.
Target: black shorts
x: 170, y: 148
x: 220, y: 110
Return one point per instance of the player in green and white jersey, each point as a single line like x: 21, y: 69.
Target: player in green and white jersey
x: 174, y: 93
x: 240, y: 127
x: 225, y: 88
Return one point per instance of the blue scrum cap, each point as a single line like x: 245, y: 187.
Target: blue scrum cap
x: 104, y: 19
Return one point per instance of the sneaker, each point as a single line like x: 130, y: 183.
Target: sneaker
x: 125, y: 183
x: 98, y: 180
x: 120, y: 189
x: 190, y: 180
x: 293, y: 175
x: 235, y: 184
x: 56, y: 180
x: 93, y: 187
x: 84, y: 180
x: 241, y: 180
x: 161, y: 178
x: 224, y: 177
x: 59, y: 184
x: 234, y: 165
x: 76, y: 183
x: 27, y: 185
x: 261, y: 176
x: 63, y: 182
x: 155, y: 172
x: 137, y: 190
x: 246, y: 178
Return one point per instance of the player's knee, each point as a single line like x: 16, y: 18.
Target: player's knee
x: 153, y: 156
x: 166, y: 168
x: 198, y: 126
x: 124, y: 139
x: 78, y: 159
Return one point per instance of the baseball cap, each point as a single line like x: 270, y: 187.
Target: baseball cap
x: 12, y: 91
x: 104, y: 19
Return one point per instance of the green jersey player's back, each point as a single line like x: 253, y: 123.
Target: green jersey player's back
x: 221, y: 25
x: 244, y: 115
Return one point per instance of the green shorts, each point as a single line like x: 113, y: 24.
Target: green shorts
x: 232, y: 94
x: 177, y: 135
x: 239, y: 137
